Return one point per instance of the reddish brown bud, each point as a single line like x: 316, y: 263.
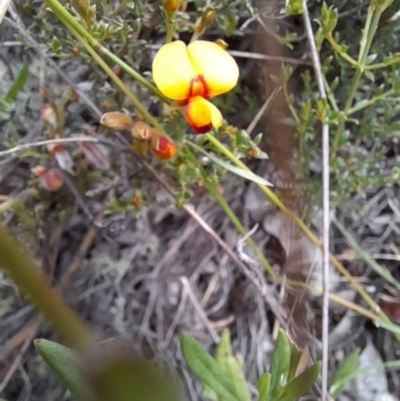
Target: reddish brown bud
x: 162, y: 146
x: 48, y: 115
x: 51, y: 179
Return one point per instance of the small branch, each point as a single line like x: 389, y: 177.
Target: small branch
x: 25, y: 146
x: 363, y: 105
x: 325, y: 206
x: 392, y: 61
x: 261, y: 112
x: 339, y: 51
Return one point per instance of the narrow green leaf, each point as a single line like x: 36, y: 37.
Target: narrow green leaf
x: 263, y: 387
x: 235, y: 373
x: 64, y: 363
x: 280, y: 364
x: 343, y: 370
x: 18, y: 83
x: 233, y: 169
x: 301, y: 384
x: 207, y: 369
x: 394, y: 328
x: 231, y: 365
x: 207, y: 392
x: 223, y: 350
x: 294, y: 362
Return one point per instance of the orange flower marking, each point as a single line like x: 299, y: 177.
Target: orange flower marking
x: 190, y: 75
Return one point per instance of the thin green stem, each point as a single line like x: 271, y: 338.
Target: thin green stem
x: 339, y: 51
x: 330, y: 95
x: 363, y: 105
x: 238, y: 225
x: 364, y: 50
x: 37, y: 288
x: 67, y: 18
x: 231, y: 215
x: 371, y: 25
x: 391, y: 61
x: 170, y: 22
x: 289, y: 103
x: 365, y: 32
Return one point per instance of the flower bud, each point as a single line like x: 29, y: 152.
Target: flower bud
x: 51, y: 179
x: 162, y: 146
x: 48, y: 115
x: 116, y: 120
x: 206, y: 19
x: 208, y: 15
x: 96, y: 154
x: 141, y: 130
x: 171, y: 5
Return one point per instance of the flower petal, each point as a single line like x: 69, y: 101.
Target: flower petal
x: 173, y: 71
x: 216, y: 117
x: 202, y: 114
x: 216, y: 65
x: 197, y: 112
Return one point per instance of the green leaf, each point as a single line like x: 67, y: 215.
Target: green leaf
x: 208, y: 393
x: 343, y: 370
x: 371, y: 58
x: 64, y: 363
x: 207, y: 369
x: 232, y: 366
x: 370, y: 75
x: 263, y: 387
x: 301, y: 384
x: 280, y: 364
x: 233, y: 169
x: 121, y: 375
x: 11, y: 96
x: 294, y: 362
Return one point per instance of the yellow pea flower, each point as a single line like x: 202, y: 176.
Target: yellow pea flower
x: 192, y: 74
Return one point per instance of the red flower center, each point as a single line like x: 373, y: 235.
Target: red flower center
x: 198, y: 87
